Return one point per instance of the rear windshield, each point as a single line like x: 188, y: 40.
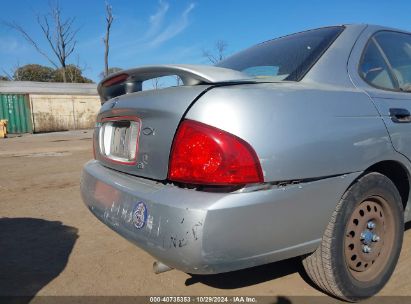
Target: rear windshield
x: 286, y: 58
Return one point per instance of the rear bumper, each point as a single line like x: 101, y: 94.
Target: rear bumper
x: 203, y: 232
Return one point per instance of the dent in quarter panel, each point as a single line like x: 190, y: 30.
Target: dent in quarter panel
x: 299, y: 130
x: 266, y: 224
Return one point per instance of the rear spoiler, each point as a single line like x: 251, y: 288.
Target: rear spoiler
x: 130, y: 81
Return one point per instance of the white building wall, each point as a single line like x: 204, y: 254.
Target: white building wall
x: 63, y: 112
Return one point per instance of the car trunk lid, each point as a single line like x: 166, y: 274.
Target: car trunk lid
x: 155, y: 114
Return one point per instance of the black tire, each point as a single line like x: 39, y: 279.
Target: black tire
x: 363, y: 274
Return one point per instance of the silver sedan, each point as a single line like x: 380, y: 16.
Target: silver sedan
x: 298, y: 146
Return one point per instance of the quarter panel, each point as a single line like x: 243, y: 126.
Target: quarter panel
x: 299, y: 130
x: 331, y: 68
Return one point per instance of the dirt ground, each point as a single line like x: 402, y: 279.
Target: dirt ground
x: 50, y: 244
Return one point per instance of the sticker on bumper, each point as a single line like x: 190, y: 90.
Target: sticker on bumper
x: 139, y: 215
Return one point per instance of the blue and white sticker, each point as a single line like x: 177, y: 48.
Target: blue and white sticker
x: 139, y: 215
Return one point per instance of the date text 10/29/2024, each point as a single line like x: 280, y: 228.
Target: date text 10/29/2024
x: 203, y: 299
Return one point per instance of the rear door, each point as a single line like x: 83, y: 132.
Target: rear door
x: 386, y: 67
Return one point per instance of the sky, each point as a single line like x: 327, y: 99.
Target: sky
x: 146, y: 32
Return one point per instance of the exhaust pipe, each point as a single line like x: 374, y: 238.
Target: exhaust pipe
x: 159, y: 267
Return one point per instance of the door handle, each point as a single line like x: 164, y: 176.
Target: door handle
x: 399, y: 115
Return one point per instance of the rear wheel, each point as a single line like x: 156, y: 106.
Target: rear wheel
x: 362, y: 242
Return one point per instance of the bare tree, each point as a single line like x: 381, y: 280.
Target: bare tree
x: 179, y: 81
x: 14, y: 72
x: 9, y: 75
x: 219, y: 54
x: 156, y: 83
x: 106, y: 39
x: 59, y: 33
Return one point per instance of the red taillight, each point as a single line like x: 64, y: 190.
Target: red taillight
x: 202, y: 154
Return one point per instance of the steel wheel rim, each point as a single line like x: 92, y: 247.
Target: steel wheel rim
x: 366, y: 248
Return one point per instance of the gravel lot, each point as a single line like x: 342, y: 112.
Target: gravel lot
x: 50, y: 244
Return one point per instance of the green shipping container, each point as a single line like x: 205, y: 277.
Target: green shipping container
x: 15, y: 108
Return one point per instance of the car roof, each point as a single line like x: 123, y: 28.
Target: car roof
x: 376, y: 27
x: 373, y: 27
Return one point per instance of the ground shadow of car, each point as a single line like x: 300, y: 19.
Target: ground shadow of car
x: 251, y: 276
x: 32, y: 253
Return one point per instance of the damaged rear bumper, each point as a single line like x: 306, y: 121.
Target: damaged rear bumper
x: 204, y: 232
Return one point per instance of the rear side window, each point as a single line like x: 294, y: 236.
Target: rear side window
x: 386, y: 61
x: 285, y: 58
x: 374, y: 69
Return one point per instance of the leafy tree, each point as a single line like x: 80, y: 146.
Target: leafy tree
x: 4, y: 78
x: 34, y: 72
x: 73, y: 74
